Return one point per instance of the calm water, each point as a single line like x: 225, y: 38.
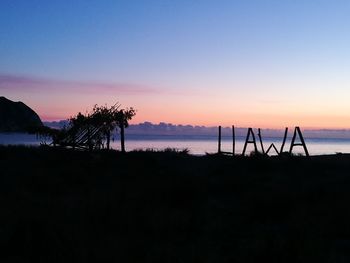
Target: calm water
x: 199, y: 144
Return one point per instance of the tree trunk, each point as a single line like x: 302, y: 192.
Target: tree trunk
x: 108, y: 139
x: 122, y: 138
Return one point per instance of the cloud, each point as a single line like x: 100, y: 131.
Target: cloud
x: 10, y: 82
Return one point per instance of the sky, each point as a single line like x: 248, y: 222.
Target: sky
x: 267, y: 64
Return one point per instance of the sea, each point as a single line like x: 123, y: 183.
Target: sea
x: 199, y: 145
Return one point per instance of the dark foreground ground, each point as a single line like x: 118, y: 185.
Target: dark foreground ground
x: 65, y: 206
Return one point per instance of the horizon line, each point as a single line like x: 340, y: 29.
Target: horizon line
x: 222, y: 126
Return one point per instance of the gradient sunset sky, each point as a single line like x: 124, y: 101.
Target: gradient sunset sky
x: 249, y: 63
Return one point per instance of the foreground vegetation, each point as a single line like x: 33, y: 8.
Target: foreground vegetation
x: 71, y: 206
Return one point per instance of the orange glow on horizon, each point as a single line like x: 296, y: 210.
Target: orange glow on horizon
x: 208, y: 107
x: 267, y: 121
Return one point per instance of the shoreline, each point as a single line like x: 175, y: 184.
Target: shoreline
x: 171, y: 149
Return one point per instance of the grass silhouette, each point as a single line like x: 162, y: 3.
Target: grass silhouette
x: 61, y: 205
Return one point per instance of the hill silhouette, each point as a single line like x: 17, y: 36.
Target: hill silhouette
x: 17, y: 117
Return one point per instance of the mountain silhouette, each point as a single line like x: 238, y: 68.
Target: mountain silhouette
x: 17, y: 117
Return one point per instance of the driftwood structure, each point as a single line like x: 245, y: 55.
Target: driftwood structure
x: 302, y: 142
x: 233, y: 142
x: 261, y: 142
x: 272, y: 145
x: 85, y: 138
x: 250, y: 139
x: 94, y: 130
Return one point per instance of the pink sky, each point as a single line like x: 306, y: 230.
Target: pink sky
x: 57, y: 100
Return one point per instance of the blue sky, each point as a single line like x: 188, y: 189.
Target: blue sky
x: 281, y: 61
